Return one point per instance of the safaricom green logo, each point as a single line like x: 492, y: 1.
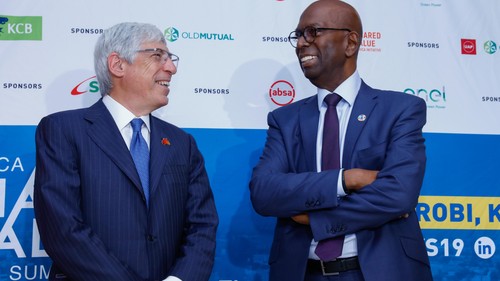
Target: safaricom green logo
x: 20, y: 28
x: 171, y: 34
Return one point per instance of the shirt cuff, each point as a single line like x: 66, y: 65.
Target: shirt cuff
x: 172, y: 278
x: 340, y: 187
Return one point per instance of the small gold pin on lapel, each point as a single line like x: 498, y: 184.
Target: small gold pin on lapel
x: 361, y: 118
x: 165, y: 141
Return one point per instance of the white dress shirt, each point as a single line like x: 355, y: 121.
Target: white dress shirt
x: 122, y: 117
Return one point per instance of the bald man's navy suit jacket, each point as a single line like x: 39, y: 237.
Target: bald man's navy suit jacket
x: 384, y: 133
x: 91, y: 210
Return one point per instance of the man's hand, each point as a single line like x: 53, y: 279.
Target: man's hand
x: 356, y: 179
x: 302, y: 219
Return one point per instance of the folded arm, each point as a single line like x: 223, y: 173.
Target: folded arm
x: 354, y: 180
x: 279, y: 188
x: 394, y: 193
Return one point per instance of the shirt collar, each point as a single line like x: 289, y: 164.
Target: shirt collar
x: 120, y: 114
x: 348, y: 90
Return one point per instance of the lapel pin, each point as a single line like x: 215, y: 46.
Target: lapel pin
x: 361, y: 117
x: 165, y: 141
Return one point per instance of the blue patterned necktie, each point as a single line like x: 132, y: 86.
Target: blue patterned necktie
x: 140, y: 154
x: 330, y: 249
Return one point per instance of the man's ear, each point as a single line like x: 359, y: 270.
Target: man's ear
x: 116, y: 65
x: 353, y: 43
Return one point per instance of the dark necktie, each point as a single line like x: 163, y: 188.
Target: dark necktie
x: 140, y: 154
x: 330, y: 249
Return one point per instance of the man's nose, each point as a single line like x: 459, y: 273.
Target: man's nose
x: 170, y: 66
x: 301, y: 41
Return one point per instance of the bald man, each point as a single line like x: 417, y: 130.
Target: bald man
x: 356, y: 190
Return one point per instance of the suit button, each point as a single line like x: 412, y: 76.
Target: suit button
x: 151, y: 238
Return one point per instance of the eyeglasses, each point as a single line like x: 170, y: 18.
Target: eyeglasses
x: 310, y: 33
x: 162, y: 55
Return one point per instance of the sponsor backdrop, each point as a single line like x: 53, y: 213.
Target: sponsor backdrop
x: 235, y: 66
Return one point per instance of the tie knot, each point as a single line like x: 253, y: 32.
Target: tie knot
x: 136, y: 124
x: 332, y: 99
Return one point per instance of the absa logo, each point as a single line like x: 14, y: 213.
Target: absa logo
x: 282, y: 92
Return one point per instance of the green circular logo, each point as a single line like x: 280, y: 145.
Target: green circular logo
x: 490, y: 47
x: 171, y: 34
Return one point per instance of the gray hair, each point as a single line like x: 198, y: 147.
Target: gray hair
x: 124, y: 39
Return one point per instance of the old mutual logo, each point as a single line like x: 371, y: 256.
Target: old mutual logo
x: 490, y: 47
x: 171, y: 34
x: 20, y: 28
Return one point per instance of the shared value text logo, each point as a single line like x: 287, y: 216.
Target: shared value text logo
x: 370, y: 42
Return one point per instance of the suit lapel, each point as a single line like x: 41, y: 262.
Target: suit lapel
x: 308, y: 119
x: 103, y: 131
x: 159, y: 146
x: 360, y: 115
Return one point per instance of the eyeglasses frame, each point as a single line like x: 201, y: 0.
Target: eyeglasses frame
x: 173, y: 57
x: 296, y: 38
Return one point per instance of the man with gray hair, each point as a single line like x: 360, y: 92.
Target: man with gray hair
x: 120, y: 194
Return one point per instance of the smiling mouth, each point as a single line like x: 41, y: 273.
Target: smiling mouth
x: 163, y: 83
x: 307, y: 58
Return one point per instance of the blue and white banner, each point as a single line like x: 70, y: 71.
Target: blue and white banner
x: 236, y: 65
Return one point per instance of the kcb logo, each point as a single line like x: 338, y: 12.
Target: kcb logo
x: 20, y: 28
x: 282, y: 92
